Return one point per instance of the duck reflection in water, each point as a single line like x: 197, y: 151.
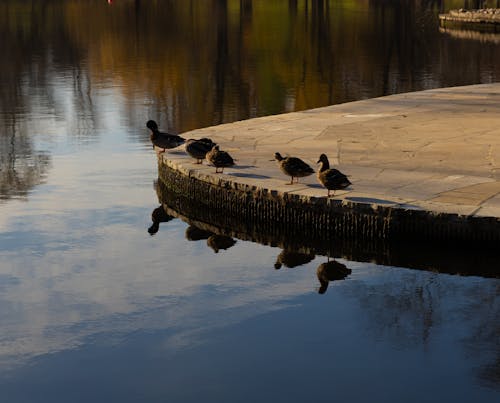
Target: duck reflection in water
x: 193, y: 233
x: 218, y: 242
x: 215, y: 241
x: 331, y: 271
x: 158, y: 216
x: 291, y: 258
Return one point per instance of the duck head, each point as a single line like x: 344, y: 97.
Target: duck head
x: 278, y: 156
x: 323, y: 158
x: 151, y: 125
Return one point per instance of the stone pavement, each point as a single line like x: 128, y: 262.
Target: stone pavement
x: 436, y: 150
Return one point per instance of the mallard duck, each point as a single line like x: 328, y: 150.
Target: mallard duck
x: 163, y: 140
x: 219, y: 159
x: 330, y: 271
x: 294, y: 167
x: 198, y: 149
x: 331, y: 178
x: 218, y: 242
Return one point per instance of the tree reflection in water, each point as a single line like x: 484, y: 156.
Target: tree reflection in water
x: 21, y: 167
x: 324, y: 52
x: 410, y: 313
x: 486, y: 333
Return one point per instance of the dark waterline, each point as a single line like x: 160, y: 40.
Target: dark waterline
x: 98, y: 303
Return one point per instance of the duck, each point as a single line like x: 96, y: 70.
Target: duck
x: 331, y: 178
x: 219, y: 159
x: 163, y: 140
x: 198, y: 149
x: 294, y: 167
x: 331, y: 271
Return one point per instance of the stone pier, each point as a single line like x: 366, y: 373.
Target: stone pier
x: 423, y: 165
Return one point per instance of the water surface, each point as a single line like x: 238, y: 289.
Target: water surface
x: 95, y: 308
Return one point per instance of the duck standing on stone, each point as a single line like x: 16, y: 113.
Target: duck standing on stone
x: 163, y: 140
x: 219, y: 159
x: 294, y: 167
x: 198, y: 149
x: 331, y: 178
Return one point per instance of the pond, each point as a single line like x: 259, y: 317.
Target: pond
x: 98, y: 303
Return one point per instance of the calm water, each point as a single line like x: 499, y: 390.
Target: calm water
x: 95, y: 309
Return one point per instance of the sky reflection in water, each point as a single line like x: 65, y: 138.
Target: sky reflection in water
x: 94, y: 308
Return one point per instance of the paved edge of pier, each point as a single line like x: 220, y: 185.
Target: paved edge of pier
x: 323, y: 218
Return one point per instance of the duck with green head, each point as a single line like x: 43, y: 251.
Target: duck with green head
x: 163, y: 140
x: 331, y: 178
